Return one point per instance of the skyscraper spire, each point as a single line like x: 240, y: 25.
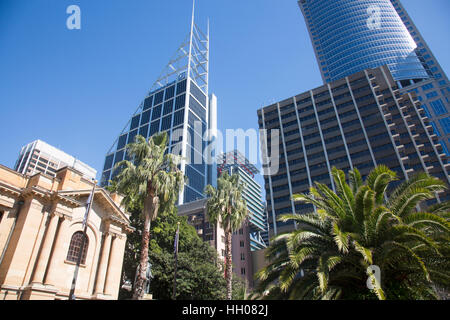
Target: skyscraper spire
x: 191, y: 37
x: 191, y: 59
x: 179, y: 104
x: 193, y: 16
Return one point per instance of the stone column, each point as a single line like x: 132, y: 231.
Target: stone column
x: 5, y: 227
x: 101, y: 273
x: 3, y: 216
x: 113, y: 275
x: 42, y: 261
x: 54, y: 275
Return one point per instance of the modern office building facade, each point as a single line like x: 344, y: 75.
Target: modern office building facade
x: 40, y: 157
x: 234, y: 162
x: 359, y: 121
x: 179, y: 104
x: 434, y: 93
x: 349, y: 36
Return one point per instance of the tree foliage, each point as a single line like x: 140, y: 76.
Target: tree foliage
x: 360, y: 225
x: 240, y: 289
x: 198, y: 276
x: 226, y: 206
x: 148, y: 180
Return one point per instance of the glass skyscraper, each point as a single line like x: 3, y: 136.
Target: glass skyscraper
x: 352, y: 35
x: 434, y: 93
x: 349, y: 36
x: 180, y: 105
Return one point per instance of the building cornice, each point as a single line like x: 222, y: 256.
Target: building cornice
x: 118, y: 217
x: 15, y: 191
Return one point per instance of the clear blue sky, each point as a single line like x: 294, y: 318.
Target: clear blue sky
x: 77, y: 89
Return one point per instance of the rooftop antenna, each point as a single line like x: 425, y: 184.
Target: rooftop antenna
x: 207, y: 56
x: 191, y: 35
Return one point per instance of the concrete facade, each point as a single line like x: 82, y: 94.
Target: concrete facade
x: 39, y: 214
x: 38, y: 156
x: 434, y: 93
x: 242, y: 253
x: 258, y: 262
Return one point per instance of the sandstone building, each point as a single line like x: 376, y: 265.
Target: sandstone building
x: 40, y: 237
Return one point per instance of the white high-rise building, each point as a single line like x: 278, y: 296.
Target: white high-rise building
x: 39, y: 156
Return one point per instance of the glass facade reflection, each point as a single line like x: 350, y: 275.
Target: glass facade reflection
x: 349, y: 36
x: 435, y: 92
x: 352, y: 35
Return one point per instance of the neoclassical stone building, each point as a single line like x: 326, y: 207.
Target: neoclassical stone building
x: 40, y: 237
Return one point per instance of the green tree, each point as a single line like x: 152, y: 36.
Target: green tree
x: 226, y: 206
x: 149, y: 180
x: 362, y: 224
x: 240, y: 289
x: 198, y: 277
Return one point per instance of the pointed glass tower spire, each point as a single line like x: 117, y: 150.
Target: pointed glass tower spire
x: 191, y: 58
x: 178, y: 103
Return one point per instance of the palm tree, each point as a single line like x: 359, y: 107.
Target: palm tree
x: 226, y: 205
x: 361, y: 225
x: 150, y: 179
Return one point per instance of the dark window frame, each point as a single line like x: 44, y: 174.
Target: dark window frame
x: 74, y: 248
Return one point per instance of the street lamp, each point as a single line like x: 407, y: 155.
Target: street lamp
x: 83, y: 241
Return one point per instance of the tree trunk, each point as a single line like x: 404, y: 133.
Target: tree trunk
x: 140, y: 279
x: 149, y: 207
x: 228, y: 264
x: 215, y: 242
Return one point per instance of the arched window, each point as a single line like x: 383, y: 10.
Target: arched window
x: 74, y: 248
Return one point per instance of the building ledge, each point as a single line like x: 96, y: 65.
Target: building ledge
x: 101, y: 296
x: 39, y: 287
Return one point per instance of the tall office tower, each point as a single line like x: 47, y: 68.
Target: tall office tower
x: 359, y: 121
x: 178, y: 103
x: 39, y: 156
x: 349, y: 36
x: 235, y: 162
x: 434, y: 93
